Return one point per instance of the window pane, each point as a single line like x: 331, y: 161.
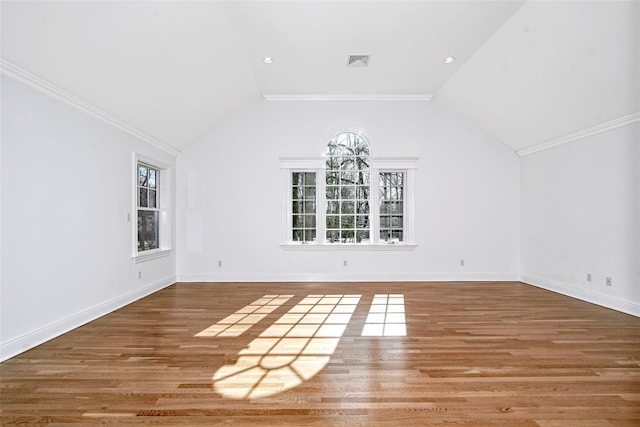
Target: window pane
x: 333, y: 178
x: 347, y: 178
x: 298, y: 207
x: 384, y: 208
x: 362, y: 178
x: 297, y: 178
x: 347, y: 207
x: 396, y: 207
x: 143, y: 201
x: 333, y: 193
x: 309, y: 192
x: 347, y: 236
x: 385, y: 222
x: 142, y: 175
x: 332, y: 207
x: 297, y: 193
x: 152, y: 178
x: 298, y: 221
x: 396, y: 193
x: 396, y: 235
x: 396, y: 222
x: 310, y: 221
x: 362, y: 207
x: 346, y: 222
x: 153, y: 202
x: 147, y: 230
x: 309, y: 178
x: 309, y: 235
x: 333, y: 236
x: 333, y: 221
x: 310, y: 207
x: 348, y: 192
x: 298, y: 235
x: 362, y: 221
x: 362, y: 236
x: 362, y: 193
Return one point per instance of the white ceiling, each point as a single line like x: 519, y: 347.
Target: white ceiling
x: 174, y: 70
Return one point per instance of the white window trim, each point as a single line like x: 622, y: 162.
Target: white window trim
x: 164, y: 194
x: 317, y: 165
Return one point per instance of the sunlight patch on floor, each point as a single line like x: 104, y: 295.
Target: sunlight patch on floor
x: 239, y: 322
x: 386, y: 317
x: 290, y: 351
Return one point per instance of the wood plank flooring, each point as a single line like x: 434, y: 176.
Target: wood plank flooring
x: 504, y: 354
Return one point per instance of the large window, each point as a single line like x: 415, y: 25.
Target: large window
x: 347, y: 177
x: 348, y: 198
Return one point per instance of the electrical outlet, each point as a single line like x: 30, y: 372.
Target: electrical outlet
x: 461, y: 263
x: 220, y: 263
x: 139, y: 274
x: 344, y: 263
x: 588, y: 277
x: 608, y: 281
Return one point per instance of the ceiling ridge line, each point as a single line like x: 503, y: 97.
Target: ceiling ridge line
x: 17, y: 73
x: 581, y: 134
x: 347, y: 97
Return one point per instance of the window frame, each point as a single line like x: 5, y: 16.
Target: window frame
x: 164, y: 197
x: 407, y: 165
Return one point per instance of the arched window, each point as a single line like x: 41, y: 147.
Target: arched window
x: 347, y: 197
x: 348, y: 178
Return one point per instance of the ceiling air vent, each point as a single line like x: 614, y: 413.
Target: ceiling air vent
x: 358, y: 61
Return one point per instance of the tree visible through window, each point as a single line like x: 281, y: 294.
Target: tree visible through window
x: 303, y: 196
x: 148, y: 207
x: 347, y: 197
x: 347, y: 177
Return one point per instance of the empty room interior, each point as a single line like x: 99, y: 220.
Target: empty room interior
x: 320, y: 213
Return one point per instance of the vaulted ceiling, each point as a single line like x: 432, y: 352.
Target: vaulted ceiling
x: 527, y: 72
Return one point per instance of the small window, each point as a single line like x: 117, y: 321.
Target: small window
x: 303, y: 206
x: 148, y: 207
x: 391, y: 206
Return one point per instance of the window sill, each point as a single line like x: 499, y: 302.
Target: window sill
x: 348, y: 247
x: 151, y: 255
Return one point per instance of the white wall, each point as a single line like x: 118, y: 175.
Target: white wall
x: 67, y: 187
x: 581, y: 214
x: 229, y: 196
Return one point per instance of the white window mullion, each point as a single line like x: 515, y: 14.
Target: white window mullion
x: 286, y: 234
x: 409, y: 224
x: 374, y: 206
x: 321, y: 206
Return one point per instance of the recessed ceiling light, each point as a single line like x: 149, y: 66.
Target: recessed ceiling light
x: 448, y: 59
x: 267, y: 60
x: 358, y: 61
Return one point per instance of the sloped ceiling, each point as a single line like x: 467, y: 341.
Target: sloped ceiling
x: 527, y: 73
x: 554, y: 69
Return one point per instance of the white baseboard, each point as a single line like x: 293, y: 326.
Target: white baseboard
x: 574, y: 291
x: 350, y: 277
x: 32, y: 339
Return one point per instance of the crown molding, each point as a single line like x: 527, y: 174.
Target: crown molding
x: 584, y: 133
x: 15, y: 72
x: 347, y: 97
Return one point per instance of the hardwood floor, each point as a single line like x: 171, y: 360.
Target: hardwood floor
x: 504, y: 354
